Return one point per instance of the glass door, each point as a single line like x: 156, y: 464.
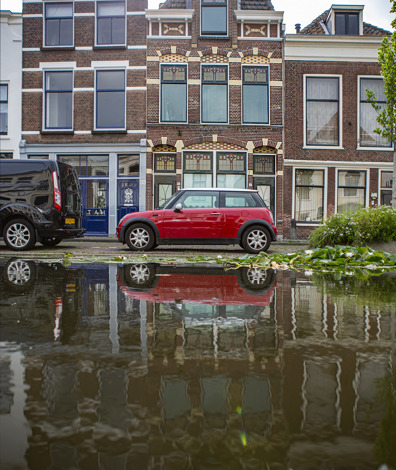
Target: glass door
x: 95, y: 207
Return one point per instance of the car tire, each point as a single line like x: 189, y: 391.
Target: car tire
x: 256, y: 239
x: 50, y: 241
x: 140, y: 237
x: 257, y: 281
x: 138, y: 276
x: 19, y: 275
x: 19, y: 235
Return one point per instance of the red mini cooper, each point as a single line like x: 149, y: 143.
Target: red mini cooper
x: 202, y: 217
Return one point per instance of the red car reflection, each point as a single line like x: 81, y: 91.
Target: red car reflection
x: 214, y: 286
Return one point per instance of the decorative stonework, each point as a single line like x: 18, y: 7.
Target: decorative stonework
x: 173, y: 58
x: 214, y: 146
x: 163, y: 148
x: 173, y: 29
x: 255, y: 30
x: 211, y: 58
x: 253, y: 59
x: 265, y: 150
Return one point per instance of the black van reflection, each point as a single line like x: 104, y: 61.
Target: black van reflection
x: 185, y: 286
x: 43, y: 297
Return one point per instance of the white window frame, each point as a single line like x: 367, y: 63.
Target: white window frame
x: 110, y: 69
x: 44, y: 112
x: 7, y: 134
x: 340, y: 114
x: 336, y: 188
x: 160, y: 93
x: 325, y: 190
x: 211, y: 123
x: 359, y: 147
x: 380, y: 187
x: 125, y: 23
x: 68, y: 46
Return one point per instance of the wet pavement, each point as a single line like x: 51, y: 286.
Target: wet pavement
x: 106, y: 247
x: 151, y: 366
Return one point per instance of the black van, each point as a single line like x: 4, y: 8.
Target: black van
x: 40, y: 200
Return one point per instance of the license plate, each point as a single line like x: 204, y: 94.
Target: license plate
x: 70, y: 221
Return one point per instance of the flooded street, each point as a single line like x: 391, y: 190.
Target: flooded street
x: 148, y: 366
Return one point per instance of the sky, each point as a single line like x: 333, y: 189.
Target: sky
x: 375, y: 12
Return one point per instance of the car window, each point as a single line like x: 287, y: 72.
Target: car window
x: 201, y: 200
x: 239, y: 200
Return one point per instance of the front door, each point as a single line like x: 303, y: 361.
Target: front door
x: 95, y: 207
x: 164, y: 187
x: 266, y: 188
x: 128, y: 197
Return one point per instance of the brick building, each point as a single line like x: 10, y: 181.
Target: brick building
x: 214, y: 98
x: 84, y: 99
x: 333, y: 159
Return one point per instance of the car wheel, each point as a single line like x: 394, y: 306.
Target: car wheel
x: 256, y: 239
x: 257, y: 280
x: 19, y: 275
x: 140, y: 237
x: 19, y: 235
x: 138, y: 276
x: 50, y: 241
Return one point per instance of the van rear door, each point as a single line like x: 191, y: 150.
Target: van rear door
x: 71, y: 196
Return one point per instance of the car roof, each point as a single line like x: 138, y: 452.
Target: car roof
x: 220, y: 189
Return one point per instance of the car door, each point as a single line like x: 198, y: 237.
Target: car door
x: 200, y: 216
x: 238, y: 207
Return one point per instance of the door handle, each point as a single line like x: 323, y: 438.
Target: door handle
x: 215, y: 213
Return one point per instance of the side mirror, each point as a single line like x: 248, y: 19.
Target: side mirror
x: 178, y: 207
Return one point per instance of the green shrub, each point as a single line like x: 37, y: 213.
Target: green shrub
x: 366, y: 225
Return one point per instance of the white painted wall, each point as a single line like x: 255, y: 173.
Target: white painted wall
x: 11, y: 74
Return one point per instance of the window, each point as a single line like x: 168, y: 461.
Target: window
x: 264, y: 164
x: 351, y: 190
x: 174, y: 93
x: 58, y: 24
x: 128, y: 165
x: 88, y: 165
x: 239, y: 200
x: 198, y: 169
x: 347, y: 23
x: 255, y: 95
x: 110, y: 29
x: 214, y: 17
x: 309, y: 198
x: 231, y: 170
x: 368, y: 115
x: 5, y: 155
x: 58, y: 100
x: 164, y: 163
x: 3, y: 109
x: 110, y: 99
x: 201, y: 200
x: 214, y: 99
x: 322, y: 118
x: 386, y: 188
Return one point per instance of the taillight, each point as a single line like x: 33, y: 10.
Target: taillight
x: 57, y: 193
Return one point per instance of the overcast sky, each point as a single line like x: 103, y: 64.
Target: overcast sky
x: 375, y: 12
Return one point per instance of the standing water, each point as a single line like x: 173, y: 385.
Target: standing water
x: 148, y: 366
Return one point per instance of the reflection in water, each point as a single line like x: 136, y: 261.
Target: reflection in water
x: 157, y: 367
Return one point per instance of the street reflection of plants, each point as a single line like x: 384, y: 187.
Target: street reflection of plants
x: 385, y: 448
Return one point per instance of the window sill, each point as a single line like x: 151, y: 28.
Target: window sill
x: 322, y: 147
x: 57, y: 48
x: 57, y: 131
x: 109, y: 131
x: 215, y: 36
x: 376, y: 149
x: 109, y: 46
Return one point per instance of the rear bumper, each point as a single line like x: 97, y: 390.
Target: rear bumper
x: 48, y: 231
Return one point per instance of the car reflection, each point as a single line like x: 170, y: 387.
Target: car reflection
x: 185, y: 287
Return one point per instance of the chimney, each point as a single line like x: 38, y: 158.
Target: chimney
x: 298, y: 27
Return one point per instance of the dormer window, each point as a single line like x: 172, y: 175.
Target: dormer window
x: 214, y: 17
x: 347, y: 23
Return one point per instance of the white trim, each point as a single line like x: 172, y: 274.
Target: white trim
x: 31, y: 49
x: 136, y: 88
x: 83, y: 14
x: 169, y: 37
x: 134, y: 13
x: 341, y: 165
x: 169, y: 14
x: 30, y: 132
x: 143, y: 131
x: 57, y: 66
x: 83, y: 89
x: 138, y: 47
x: 108, y: 64
x: 32, y: 90
x: 36, y: 15
x: 83, y: 48
x: 340, y: 111
x: 366, y: 187
x: 319, y: 166
x: 259, y: 15
x: 97, y: 65
x: 375, y: 149
x: 83, y: 132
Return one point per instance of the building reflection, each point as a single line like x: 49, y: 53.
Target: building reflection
x: 146, y: 366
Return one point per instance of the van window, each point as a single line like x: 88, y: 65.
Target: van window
x: 70, y: 188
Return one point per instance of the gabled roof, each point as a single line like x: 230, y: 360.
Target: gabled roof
x: 318, y: 27
x: 242, y: 4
